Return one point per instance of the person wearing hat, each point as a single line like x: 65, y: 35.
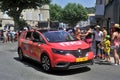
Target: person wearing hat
x: 116, y: 43
x: 98, y: 34
x: 106, y: 44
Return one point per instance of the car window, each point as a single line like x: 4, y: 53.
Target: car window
x: 28, y: 36
x: 37, y: 37
x: 59, y: 36
x: 41, y: 39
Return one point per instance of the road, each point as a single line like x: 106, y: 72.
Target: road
x: 13, y: 69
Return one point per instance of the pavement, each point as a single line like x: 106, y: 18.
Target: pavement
x: 9, y: 46
x: 100, y: 60
x: 112, y: 59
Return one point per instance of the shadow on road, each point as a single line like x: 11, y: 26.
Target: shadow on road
x: 101, y: 62
x: 38, y: 67
x: 70, y: 72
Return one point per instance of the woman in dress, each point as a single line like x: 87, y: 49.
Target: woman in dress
x: 116, y: 43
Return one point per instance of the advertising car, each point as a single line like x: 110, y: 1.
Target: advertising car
x: 54, y: 49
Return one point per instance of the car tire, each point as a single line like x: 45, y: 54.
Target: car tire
x: 20, y: 54
x: 45, y: 62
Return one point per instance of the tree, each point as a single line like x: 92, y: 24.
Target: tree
x: 14, y: 7
x: 73, y: 13
x: 90, y: 10
x: 55, y: 12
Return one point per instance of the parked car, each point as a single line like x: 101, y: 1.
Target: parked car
x: 54, y: 49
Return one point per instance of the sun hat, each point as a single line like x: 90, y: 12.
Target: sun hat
x: 97, y: 26
x: 117, y: 26
x: 108, y: 36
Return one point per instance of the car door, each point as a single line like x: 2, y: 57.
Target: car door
x: 27, y: 44
x: 36, y: 45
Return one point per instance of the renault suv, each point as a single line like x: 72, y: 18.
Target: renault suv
x: 54, y: 49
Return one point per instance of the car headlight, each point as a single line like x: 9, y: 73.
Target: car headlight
x: 87, y: 51
x: 57, y: 51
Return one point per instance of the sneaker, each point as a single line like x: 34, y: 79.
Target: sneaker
x: 116, y: 64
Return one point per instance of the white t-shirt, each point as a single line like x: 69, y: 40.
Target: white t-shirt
x: 98, y: 35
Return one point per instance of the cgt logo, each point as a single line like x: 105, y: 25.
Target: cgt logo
x: 70, y: 43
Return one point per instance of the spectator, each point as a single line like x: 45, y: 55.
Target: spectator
x: 103, y: 39
x: 98, y: 38
x: 5, y: 39
x: 88, y: 36
x: 78, y: 33
x: 116, y: 43
x: 104, y: 32
x: 106, y: 45
x: 9, y: 35
x: 13, y: 36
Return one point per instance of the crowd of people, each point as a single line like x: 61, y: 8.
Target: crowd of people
x: 105, y: 44
x: 8, y: 36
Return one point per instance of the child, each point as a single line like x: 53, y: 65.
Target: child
x: 101, y: 47
x: 106, y: 43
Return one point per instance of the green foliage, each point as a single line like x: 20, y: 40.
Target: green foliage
x: 22, y: 23
x: 73, y: 13
x: 90, y: 10
x: 15, y: 7
x: 55, y: 12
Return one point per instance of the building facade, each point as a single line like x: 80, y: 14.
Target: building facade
x: 112, y: 11
x: 31, y: 16
x: 107, y: 12
x: 100, y: 10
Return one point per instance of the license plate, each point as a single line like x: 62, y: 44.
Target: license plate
x: 81, y: 59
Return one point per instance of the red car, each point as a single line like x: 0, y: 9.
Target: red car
x: 54, y: 49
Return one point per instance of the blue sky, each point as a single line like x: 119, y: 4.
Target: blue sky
x: 85, y: 3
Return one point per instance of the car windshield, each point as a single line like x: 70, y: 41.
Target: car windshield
x: 59, y: 36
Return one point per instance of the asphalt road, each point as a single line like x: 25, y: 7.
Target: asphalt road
x: 13, y: 69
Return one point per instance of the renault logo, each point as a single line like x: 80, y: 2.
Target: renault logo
x: 79, y: 50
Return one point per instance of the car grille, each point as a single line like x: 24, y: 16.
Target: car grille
x: 77, y: 54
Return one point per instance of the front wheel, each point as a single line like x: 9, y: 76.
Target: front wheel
x: 45, y: 62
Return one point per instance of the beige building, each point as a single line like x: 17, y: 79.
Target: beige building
x: 32, y: 16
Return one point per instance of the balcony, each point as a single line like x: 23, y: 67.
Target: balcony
x: 100, y: 10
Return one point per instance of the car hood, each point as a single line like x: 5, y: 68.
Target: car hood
x: 73, y: 45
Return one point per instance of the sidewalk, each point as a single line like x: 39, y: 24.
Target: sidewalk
x: 112, y: 59
x: 94, y: 50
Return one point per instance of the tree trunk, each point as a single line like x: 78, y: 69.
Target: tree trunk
x: 15, y: 14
